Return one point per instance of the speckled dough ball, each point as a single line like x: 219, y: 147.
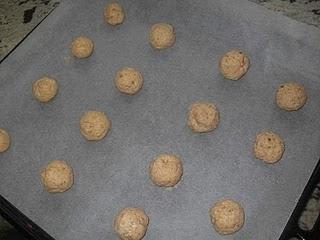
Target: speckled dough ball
x: 268, y: 146
x: 128, y: 80
x: 291, y: 96
x: 4, y: 140
x: 94, y: 125
x: 203, y: 117
x: 131, y: 223
x: 57, y: 176
x: 162, y: 35
x: 45, y: 89
x: 227, y: 216
x: 114, y: 14
x: 82, y: 47
x: 234, y: 64
x: 165, y: 170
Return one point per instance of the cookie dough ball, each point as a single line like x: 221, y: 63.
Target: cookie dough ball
x: 162, y: 35
x: 268, y: 146
x: 203, y: 117
x: 128, y: 80
x: 291, y: 96
x: 45, y: 89
x: 227, y: 216
x: 234, y: 64
x: 131, y: 223
x: 82, y: 47
x: 4, y: 140
x: 114, y: 14
x: 94, y: 125
x: 165, y: 170
x: 57, y: 176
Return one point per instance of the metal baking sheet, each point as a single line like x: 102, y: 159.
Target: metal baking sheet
x: 112, y: 173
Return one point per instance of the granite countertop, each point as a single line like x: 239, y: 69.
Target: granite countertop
x: 19, y: 17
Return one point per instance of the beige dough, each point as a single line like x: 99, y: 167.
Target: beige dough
x: 165, y: 170
x: 128, y: 80
x: 203, y: 117
x: 131, y: 223
x: 45, y: 89
x: 94, y: 125
x: 162, y: 35
x: 227, y: 216
x: 114, y: 14
x: 82, y: 47
x: 268, y: 146
x: 234, y: 64
x: 291, y: 96
x: 4, y: 140
x: 57, y: 176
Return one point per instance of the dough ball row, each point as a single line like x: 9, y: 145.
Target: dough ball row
x: 227, y: 216
x: 165, y: 170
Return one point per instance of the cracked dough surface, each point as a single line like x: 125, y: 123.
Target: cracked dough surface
x: 82, y: 47
x: 114, y: 14
x: 227, y: 216
x: 131, y: 223
x: 94, y: 125
x: 268, y: 146
x: 57, y: 176
x: 162, y: 35
x: 234, y: 64
x: 165, y: 170
x: 291, y: 96
x: 4, y: 140
x: 128, y: 80
x: 203, y: 117
x: 45, y: 89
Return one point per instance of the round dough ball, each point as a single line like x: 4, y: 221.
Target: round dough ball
x: 4, y: 140
x: 234, y: 64
x: 291, y: 96
x: 131, y: 223
x: 114, y: 14
x: 45, y: 89
x: 227, y: 216
x: 162, y: 35
x: 165, y: 170
x: 203, y: 117
x: 82, y: 47
x: 128, y: 80
x: 94, y: 125
x: 57, y: 176
x: 268, y: 146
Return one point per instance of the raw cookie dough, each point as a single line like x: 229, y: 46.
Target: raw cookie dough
x: 4, y: 140
x: 203, y: 117
x: 165, y: 170
x: 131, y: 223
x: 113, y: 14
x: 291, y: 96
x: 57, y: 176
x: 227, y: 216
x: 82, y: 47
x: 45, y: 89
x: 162, y: 35
x: 268, y: 146
x: 128, y: 80
x: 94, y: 125
x: 234, y: 64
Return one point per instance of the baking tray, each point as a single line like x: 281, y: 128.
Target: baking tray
x: 112, y: 173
